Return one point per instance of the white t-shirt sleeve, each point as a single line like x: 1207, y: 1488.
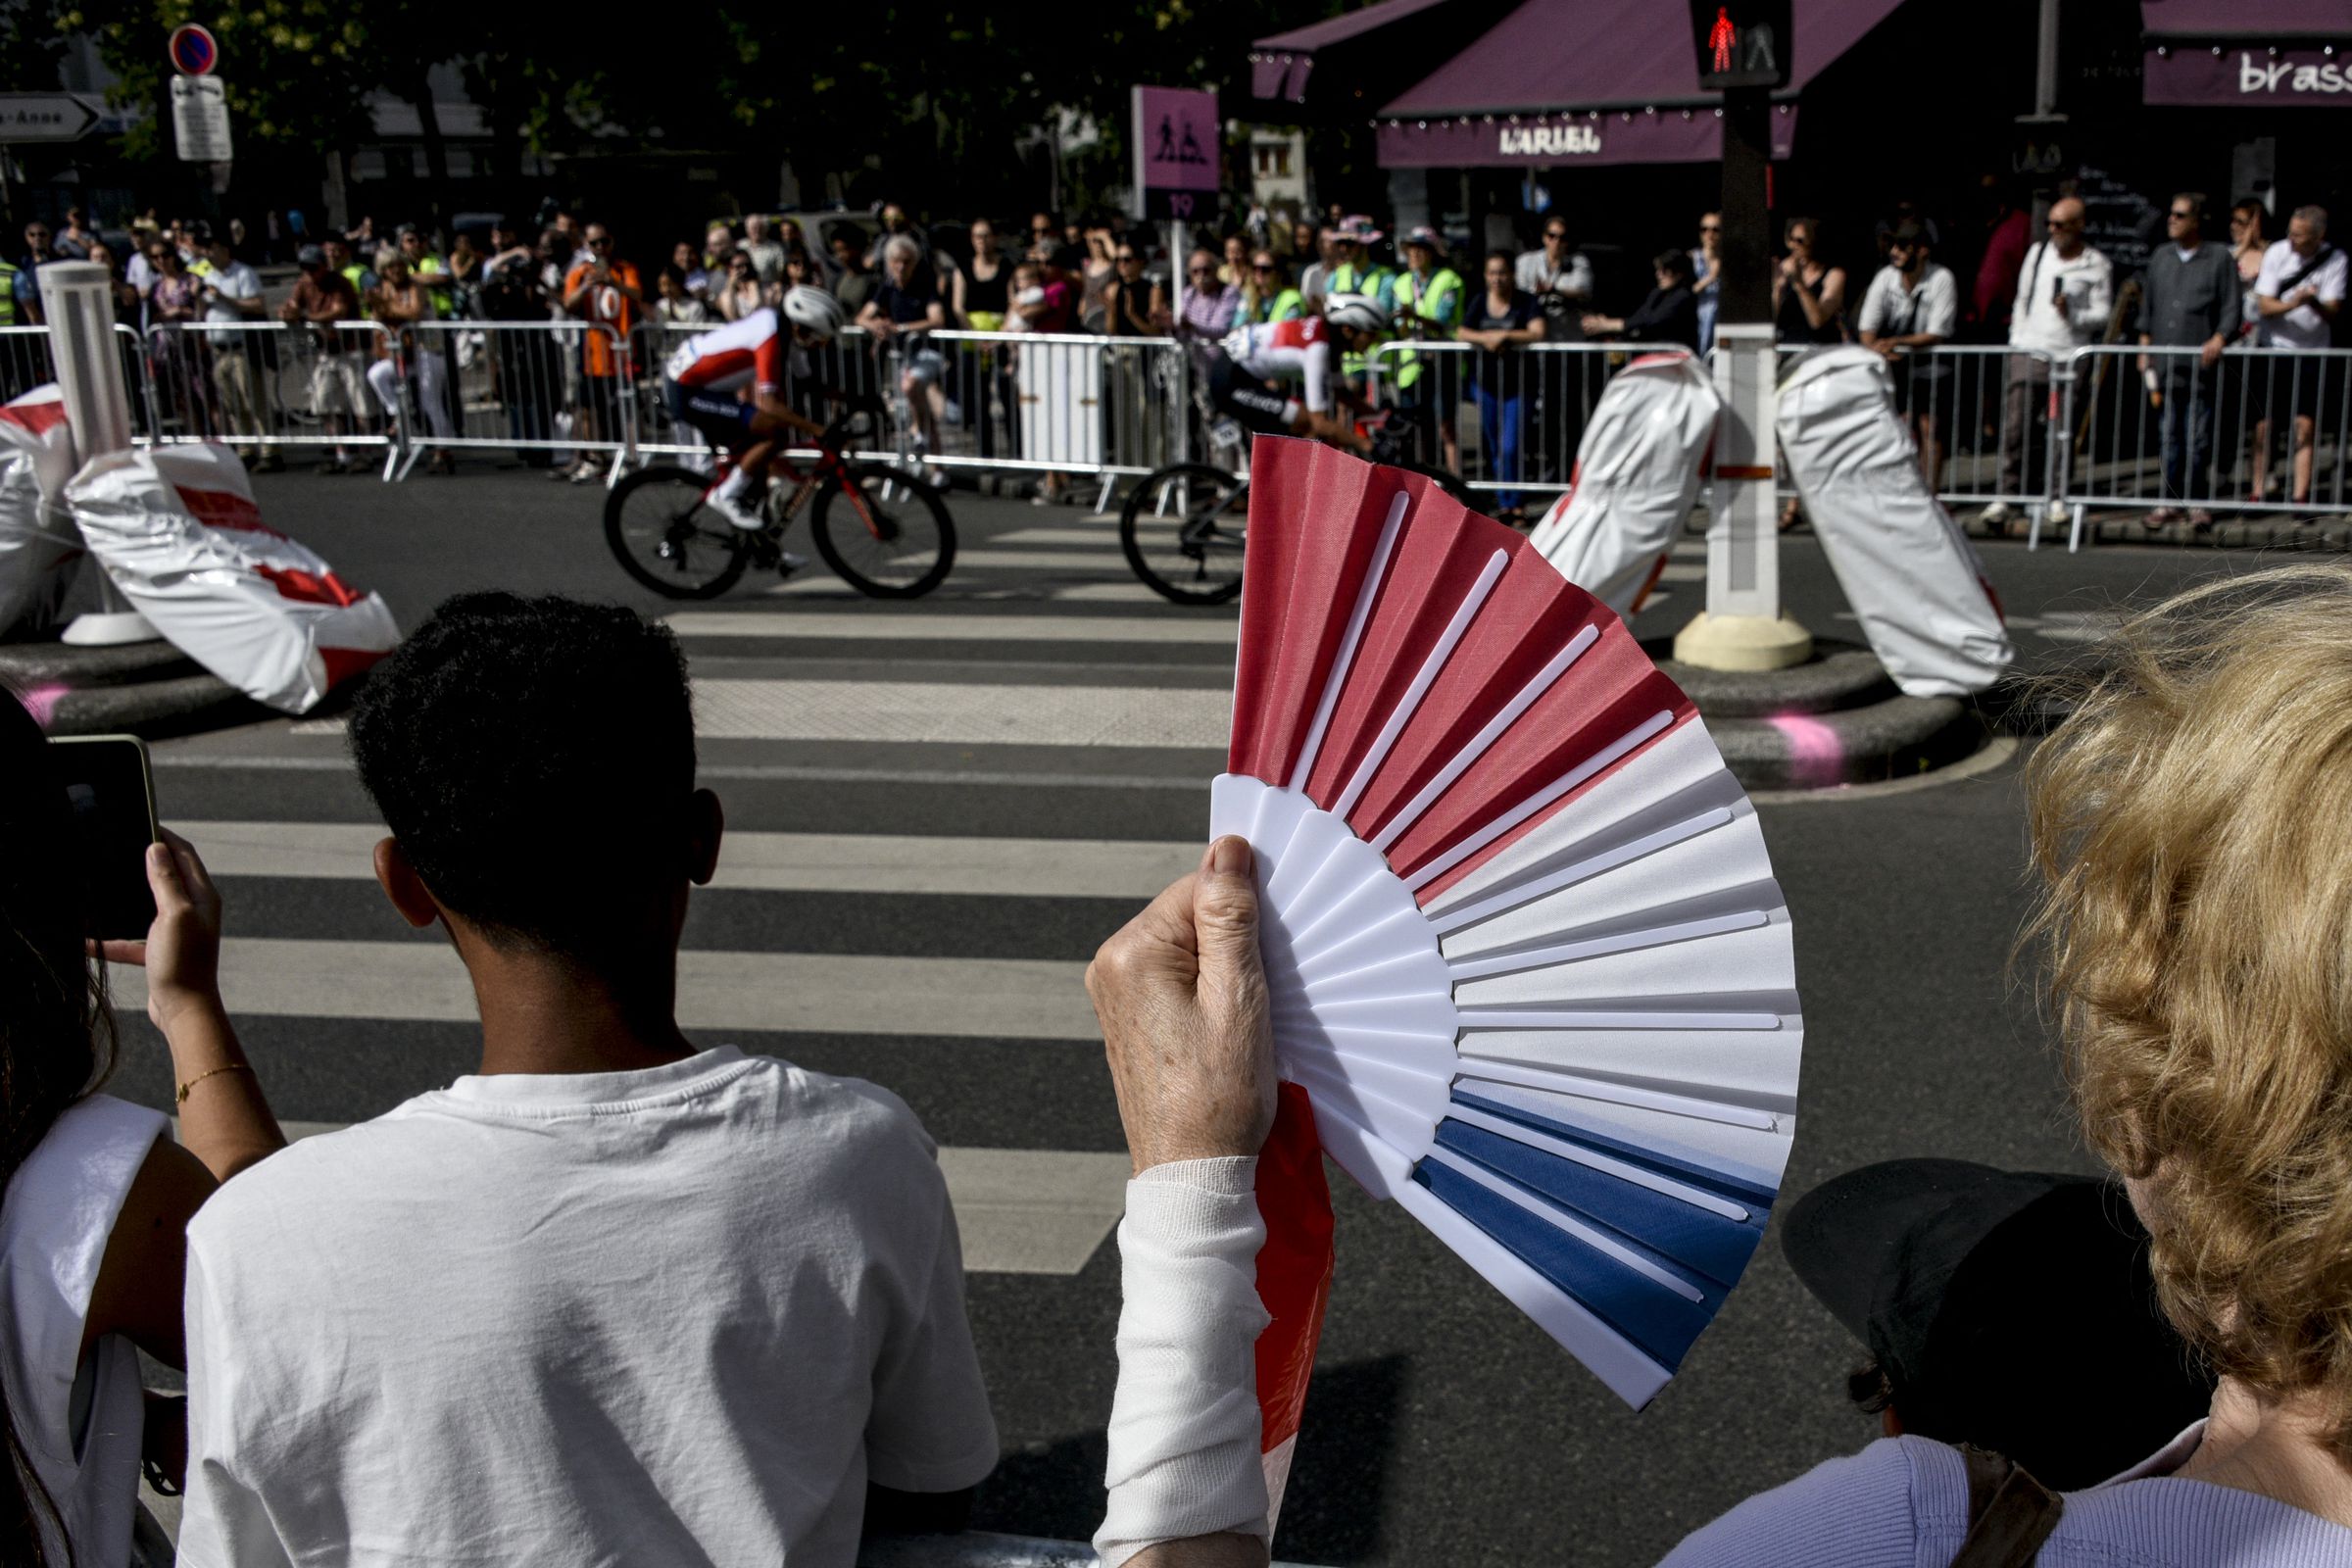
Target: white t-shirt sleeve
x: 60, y: 1211
x: 1577, y: 278
x: 2331, y: 278
x: 1874, y: 303
x: 1939, y: 310
x: 930, y: 1429
x: 223, y: 1522
x: 2273, y: 269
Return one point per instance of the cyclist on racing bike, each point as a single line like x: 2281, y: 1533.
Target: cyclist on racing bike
x: 702, y: 378
x: 1249, y: 372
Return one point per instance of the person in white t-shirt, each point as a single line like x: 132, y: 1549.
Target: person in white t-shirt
x: 2065, y: 290
x: 97, y: 1197
x: 1914, y: 305
x: 613, y: 1299
x: 233, y: 296
x: 2297, y: 297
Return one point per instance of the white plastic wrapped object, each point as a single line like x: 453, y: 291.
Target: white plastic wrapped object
x: 1637, y: 478
x: 1906, y: 568
x: 38, y: 546
x: 178, y: 531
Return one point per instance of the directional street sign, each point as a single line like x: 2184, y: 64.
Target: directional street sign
x: 48, y: 115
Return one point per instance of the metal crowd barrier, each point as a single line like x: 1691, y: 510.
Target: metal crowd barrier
x: 1040, y: 403
x: 1508, y: 423
x: 543, y: 390
x: 263, y: 388
x: 2262, y: 430
x: 24, y: 363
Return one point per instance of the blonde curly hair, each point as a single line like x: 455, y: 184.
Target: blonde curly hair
x: 2192, y: 825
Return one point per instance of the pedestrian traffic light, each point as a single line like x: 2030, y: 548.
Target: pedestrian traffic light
x: 1742, y: 43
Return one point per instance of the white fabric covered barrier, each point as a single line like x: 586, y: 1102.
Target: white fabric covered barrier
x: 1637, y: 473
x: 38, y: 545
x: 177, y: 530
x: 1906, y: 568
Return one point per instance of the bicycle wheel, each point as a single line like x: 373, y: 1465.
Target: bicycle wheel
x: 889, y: 537
x: 664, y: 537
x: 1183, y: 530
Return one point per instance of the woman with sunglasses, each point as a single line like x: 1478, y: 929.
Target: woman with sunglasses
x: 1267, y: 295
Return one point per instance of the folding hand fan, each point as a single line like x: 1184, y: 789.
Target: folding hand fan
x: 1525, y: 953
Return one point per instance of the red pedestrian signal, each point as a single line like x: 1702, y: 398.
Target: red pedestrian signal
x: 1742, y: 43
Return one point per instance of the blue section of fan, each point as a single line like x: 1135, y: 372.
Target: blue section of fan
x: 1681, y: 1259
x: 1746, y: 1193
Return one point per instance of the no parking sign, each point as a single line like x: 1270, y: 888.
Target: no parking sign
x: 192, y: 50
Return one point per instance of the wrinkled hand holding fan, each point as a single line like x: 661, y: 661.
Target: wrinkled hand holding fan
x: 1526, y: 952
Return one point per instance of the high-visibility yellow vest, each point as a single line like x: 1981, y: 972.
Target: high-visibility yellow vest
x: 1439, y: 302
x: 445, y: 302
x: 9, y: 316
x: 357, y: 276
x: 1283, y: 305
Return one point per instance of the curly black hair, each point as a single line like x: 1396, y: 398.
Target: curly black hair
x: 534, y: 756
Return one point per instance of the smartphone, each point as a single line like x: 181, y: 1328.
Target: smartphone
x: 110, y: 791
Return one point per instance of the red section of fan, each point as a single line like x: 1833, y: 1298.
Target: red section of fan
x: 1294, y: 1267
x: 1316, y: 523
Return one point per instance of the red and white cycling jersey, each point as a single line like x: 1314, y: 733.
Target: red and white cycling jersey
x: 1298, y: 350
x: 754, y: 351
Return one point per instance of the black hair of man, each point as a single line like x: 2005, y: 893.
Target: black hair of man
x: 534, y: 758
x: 1675, y: 265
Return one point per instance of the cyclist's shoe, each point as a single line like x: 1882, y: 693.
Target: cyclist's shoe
x: 787, y: 562
x: 740, y: 509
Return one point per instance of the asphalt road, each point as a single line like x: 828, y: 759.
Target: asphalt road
x: 1441, y: 1426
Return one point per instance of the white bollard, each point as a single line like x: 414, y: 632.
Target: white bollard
x: 77, y: 297
x: 1743, y: 628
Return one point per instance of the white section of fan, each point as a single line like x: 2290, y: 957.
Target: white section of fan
x: 1623, y: 972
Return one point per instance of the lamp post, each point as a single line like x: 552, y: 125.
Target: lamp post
x: 1744, y: 51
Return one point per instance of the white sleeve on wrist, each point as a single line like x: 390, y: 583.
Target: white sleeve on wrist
x: 1183, y: 1424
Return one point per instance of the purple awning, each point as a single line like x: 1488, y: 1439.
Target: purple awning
x: 1592, y: 81
x: 2246, y: 54
x: 2221, y: 20
x: 1278, y: 64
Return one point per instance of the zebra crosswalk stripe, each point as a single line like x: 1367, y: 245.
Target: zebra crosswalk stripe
x: 421, y: 981
x: 769, y: 862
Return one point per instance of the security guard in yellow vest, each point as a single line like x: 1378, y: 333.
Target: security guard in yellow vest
x: 9, y: 316
x: 1355, y: 272
x: 1429, y: 306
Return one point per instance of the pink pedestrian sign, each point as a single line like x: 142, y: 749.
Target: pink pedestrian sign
x: 1178, y: 148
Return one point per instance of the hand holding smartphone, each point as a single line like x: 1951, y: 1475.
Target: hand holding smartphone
x: 110, y: 791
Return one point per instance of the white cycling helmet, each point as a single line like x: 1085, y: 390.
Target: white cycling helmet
x: 1359, y: 310
x: 815, y: 310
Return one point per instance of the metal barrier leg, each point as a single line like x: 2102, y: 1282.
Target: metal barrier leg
x: 2074, y: 539
x: 1103, y: 496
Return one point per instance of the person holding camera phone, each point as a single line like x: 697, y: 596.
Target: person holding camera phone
x: 93, y: 1249
x: 2064, y: 294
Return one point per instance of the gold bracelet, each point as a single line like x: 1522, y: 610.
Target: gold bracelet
x: 235, y: 1066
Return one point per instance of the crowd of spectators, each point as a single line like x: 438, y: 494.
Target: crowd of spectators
x: 900, y: 282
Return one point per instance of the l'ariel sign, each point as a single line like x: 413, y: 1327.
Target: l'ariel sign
x: 1179, y: 152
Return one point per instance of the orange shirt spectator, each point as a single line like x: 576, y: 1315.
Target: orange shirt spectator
x: 601, y: 288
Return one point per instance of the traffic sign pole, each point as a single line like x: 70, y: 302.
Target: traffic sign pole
x: 1742, y: 50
